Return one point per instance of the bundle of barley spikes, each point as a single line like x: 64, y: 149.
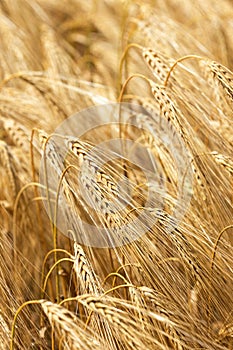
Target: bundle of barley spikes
x: 170, y: 285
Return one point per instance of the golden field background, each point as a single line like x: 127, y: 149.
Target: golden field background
x: 162, y: 291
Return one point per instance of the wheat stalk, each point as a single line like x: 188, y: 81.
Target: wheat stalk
x: 120, y: 320
x: 100, y: 186
x: 223, y: 76
x: 181, y: 243
x: 158, y: 301
x: 168, y: 108
x: 67, y: 325
x: 225, y: 161
x: 103, y: 183
x: 17, y: 133
x: 84, y: 272
x: 6, y: 160
x: 158, y: 63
